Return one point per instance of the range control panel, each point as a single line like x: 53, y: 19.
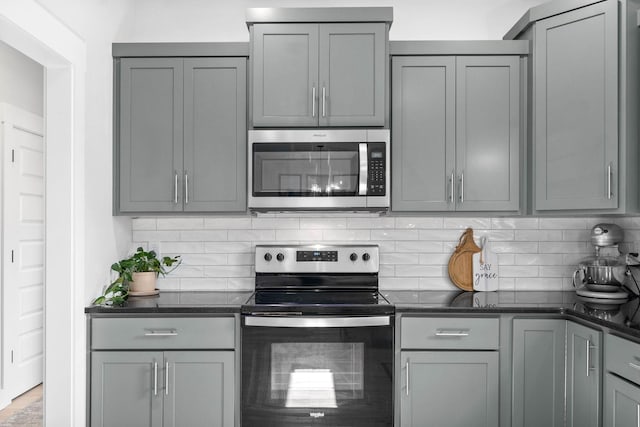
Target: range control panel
x: 317, y: 259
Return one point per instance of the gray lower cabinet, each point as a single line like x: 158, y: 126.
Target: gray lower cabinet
x: 449, y: 389
x: 447, y: 375
x: 456, y: 133
x: 621, y: 383
x: 584, y: 376
x: 180, y: 135
x: 162, y: 371
x: 538, y: 355
x: 151, y: 388
x: 584, y: 105
x: 310, y: 74
x: 621, y: 402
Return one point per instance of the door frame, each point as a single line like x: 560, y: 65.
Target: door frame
x: 32, y: 30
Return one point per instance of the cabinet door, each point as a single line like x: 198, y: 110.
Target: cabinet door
x: 199, y: 389
x: 488, y: 133
x: 351, y: 74
x: 215, y: 131
x: 423, y: 133
x: 584, y: 372
x: 150, y: 131
x: 285, y: 74
x: 575, y: 100
x: 125, y: 389
x: 449, y: 389
x: 621, y: 402
x: 538, y: 372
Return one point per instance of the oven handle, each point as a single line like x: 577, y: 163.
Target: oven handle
x: 318, y: 322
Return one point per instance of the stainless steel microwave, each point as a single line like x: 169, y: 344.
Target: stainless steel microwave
x: 322, y: 169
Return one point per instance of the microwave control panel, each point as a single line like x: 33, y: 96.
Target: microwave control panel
x: 376, y: 178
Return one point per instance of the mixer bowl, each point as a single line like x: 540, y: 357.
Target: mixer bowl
x: 601, y: 274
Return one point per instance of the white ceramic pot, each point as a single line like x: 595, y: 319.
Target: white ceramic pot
x: 143, y: 282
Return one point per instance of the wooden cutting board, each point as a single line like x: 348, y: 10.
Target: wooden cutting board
x: 461, y: 261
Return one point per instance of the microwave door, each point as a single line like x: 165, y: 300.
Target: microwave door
x: 307, y: 170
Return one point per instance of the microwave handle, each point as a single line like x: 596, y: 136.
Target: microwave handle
x: 364, y: 169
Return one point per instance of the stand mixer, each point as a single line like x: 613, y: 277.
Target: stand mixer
x: 603, y: 275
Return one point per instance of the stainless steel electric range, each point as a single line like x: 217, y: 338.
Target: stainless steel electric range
x: 317, y: 339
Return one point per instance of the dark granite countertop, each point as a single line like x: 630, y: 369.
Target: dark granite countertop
x: 178, y: 302
x: 620, y: 319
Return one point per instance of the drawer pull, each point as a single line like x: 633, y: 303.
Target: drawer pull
x: 634, y: 366
x: 162, y: 333
x: 452, y: 333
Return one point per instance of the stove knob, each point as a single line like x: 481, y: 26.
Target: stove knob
x: 353, y: 257
x: 280, y: 257
x: 366, y: 257
x: 267, y: 257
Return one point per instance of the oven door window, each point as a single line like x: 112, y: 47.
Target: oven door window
x: 305, y: 169
x: 317, y: 376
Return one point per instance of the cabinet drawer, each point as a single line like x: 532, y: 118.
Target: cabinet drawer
x: 163, y: 333
x: 449, y: 333
x: 622, y: 357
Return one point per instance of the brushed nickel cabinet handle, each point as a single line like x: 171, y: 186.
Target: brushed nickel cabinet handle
x: 166, y: 378
x: 161, y: 333
x: 155, y: 378
x: 324, y: 101
x: 589, y: 347
x: 313, y: 101
x: 407, y: 366
x: 462, y: 187
x: 452, y: 333
x: 186, y: 188
x: 175, y: 188
x: 609, y: 194
x: 453, y: 184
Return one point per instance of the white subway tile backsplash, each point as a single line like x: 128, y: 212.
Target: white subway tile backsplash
x: 370, y: 223
x: 227, y: 223
x: 323, y: 223
x: 532, y: 253
x: 399, y: 258
x: 464, y: 223
x: 143, y: 224
x: 156, y: 236
x: 565, y: 223
x: 418, y: 246
x: 227, y: 247
x: 203, y: 235
x: 180, y: 223
x: 538, y: 235
x: 251, y: 235
x: 394, y: 235
x: 429, y: 223
x: 346, y: 235
x: 275, y: 223
x: 515, y: 223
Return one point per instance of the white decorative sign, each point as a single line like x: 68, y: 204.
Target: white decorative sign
x: 485, y: 269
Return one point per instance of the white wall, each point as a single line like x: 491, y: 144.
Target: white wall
x: 220, y: 20
x: 21, y: 80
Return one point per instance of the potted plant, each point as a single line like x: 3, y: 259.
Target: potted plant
x: 137, y: 273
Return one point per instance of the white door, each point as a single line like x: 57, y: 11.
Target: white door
x: 23, y: 249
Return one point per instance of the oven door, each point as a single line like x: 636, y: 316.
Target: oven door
x: 317, y: 371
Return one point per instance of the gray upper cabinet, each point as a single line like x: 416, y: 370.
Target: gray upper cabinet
x: 583, y: 104
x: 180, y: 135
x: 456, y: 133
x: 310, y: 74
x: 150, y: 130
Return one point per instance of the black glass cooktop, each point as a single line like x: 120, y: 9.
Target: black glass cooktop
x: 318, y: 302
